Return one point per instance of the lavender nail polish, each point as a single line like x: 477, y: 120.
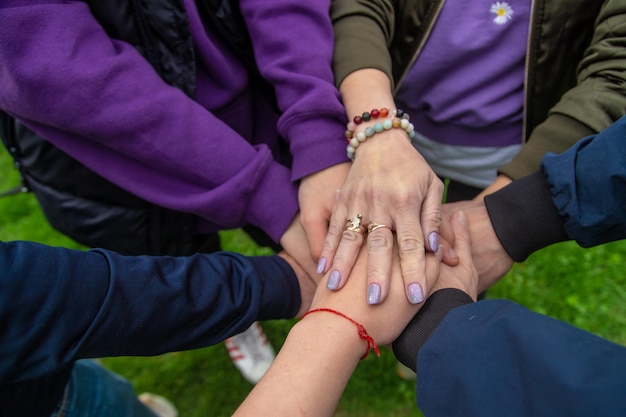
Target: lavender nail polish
x: 433, y: 241
x: 321, y: 266
x: 333, y: 280
x: 373, y: 294
x: 415, y: 293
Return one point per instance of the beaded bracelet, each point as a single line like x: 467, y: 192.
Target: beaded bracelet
x: 397, y: 119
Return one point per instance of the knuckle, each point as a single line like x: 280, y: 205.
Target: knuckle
x: 351, y: 236
x: 378, y: 242
x: 409, y: 246
x: 434, y: 216
x: 334, y: 229
x: 306, y: 218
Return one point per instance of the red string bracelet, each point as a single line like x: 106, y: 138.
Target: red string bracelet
x: 362, y: 332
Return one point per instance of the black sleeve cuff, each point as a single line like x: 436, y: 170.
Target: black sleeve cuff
x: 410, y: 341
x: 524, y: 217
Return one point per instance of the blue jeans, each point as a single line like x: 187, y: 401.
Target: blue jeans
x: 94, y: 391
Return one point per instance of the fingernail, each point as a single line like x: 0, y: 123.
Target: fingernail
x: 373, y: 294
x: 439, y: 253
x: 321, y: 266
x: 433, y: 241
x: 333, y: 280
x: 416, y: 295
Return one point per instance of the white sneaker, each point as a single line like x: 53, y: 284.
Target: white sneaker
x: 158, y: 405
x: 251, y: 352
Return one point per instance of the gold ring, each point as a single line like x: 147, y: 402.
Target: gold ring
x: 354, y: 224
x: 372, y: 226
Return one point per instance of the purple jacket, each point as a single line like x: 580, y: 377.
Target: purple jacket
x: 100, y: 101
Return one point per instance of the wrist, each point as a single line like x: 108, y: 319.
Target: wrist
x: 374, y: 123
x: 330, y: 335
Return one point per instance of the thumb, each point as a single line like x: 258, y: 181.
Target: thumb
x: 462, y: 237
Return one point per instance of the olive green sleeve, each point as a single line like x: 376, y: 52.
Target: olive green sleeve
x: 596, y: 101
x: 556, y: 135
x: 363, y: 31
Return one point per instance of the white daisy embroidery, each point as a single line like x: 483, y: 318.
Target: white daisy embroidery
x: 503, y: 12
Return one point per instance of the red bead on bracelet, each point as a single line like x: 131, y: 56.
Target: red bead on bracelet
x: 371, y: 344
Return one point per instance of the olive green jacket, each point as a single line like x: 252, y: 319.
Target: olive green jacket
x: 575, y: 77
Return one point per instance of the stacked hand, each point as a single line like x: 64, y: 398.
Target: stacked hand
x: 398, y: 198
x: 489, y: 257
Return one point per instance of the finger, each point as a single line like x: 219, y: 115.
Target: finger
x: 447, y: 253
x: 446, y: 242
x: 380, y: 254
x: 462, y: 238
x: 465, y: 274
x: 349, y: 247
x: 316, y: 229
x: 333, y: 237
x: 431, y: 214
x: 432, y: 266
x: 411, y: 250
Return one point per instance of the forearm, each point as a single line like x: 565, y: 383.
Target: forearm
x: 588, y: 186
x: 457, y: 372
x: 566, y: 196
x: 363, y: 91
x: 556, y: 134
x: 524, y: 217
x: 311, y: 113
x: 425, y: 322
x: 101, y: 102
x: 309, y: 374
x: 323, y: 349
x: 358, y: 25
x: 98, y: 303
x: 596, y: 100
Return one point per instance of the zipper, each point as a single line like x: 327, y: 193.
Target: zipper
x: 527, y: 69
x: 420, y: 47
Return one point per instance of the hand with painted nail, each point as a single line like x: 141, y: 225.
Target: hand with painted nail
x: 324, y: 348
x: 383, y: 319
x: 404, y: 208
x: 389, y: 184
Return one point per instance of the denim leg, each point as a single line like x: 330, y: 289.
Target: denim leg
x: 94, y: 391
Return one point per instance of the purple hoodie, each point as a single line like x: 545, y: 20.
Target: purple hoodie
x: 98, y: 100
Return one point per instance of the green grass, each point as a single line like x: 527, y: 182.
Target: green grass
x: 585, y: 287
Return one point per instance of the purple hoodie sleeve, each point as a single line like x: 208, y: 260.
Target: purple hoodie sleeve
x: 98, y: 100
x: 297, y: 60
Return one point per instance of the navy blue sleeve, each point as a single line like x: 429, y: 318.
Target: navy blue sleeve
x: 497, y: 358
x: 58, y: 305
x: 588, y: 185
x: 577, y: 195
